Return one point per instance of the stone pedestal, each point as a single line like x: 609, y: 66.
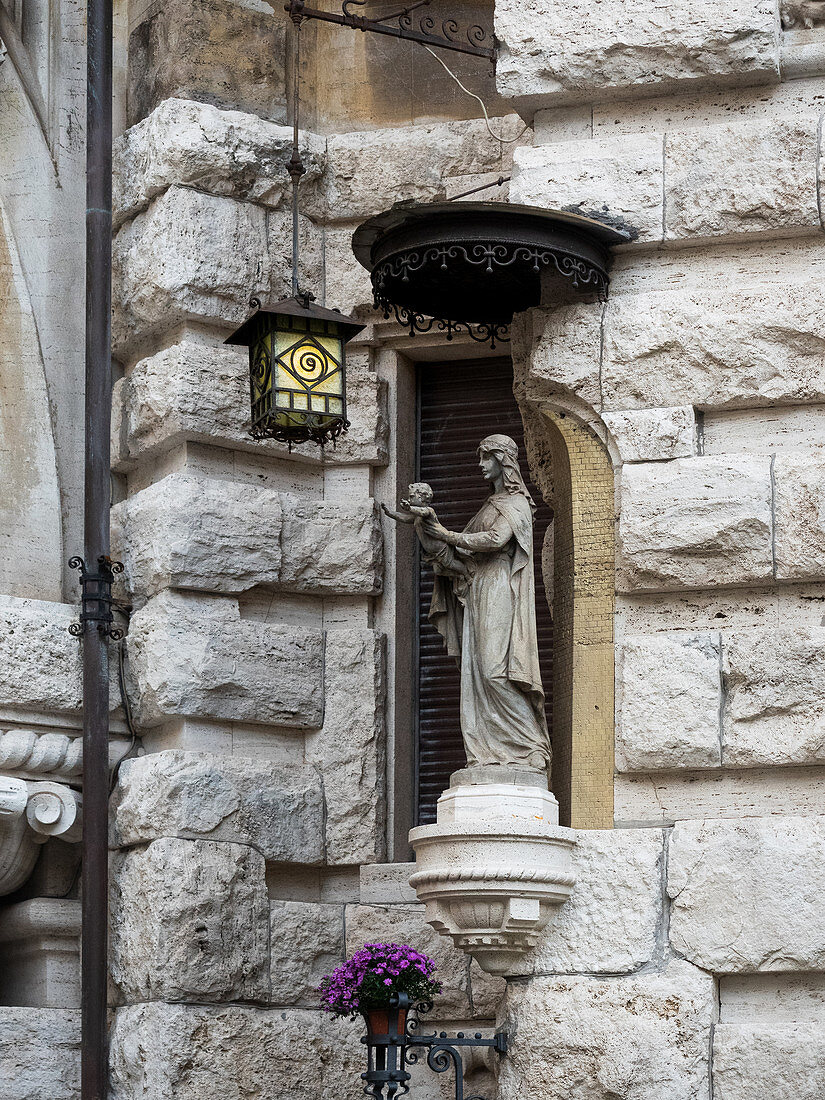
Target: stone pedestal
x: 495, y: 864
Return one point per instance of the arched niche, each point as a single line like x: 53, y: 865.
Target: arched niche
x: 31, y: 542
x: 570, y: 460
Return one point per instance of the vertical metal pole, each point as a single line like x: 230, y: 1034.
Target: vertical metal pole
x: 94, y: 1056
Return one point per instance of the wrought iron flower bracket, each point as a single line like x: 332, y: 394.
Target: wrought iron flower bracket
x: 402, y: 24
x: 389, y: 1055
x: 96, y: 597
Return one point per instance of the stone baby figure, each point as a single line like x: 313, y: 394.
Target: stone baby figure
x: 418, y: 511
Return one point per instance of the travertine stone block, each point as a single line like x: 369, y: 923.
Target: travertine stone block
x: 561, y: 53
x: 609, y: 924
x: 347, y: 284
x: 350, y: 748
x: 633, y: 1038
x: 618, y: 180
x: 40, y: 1053
x: 653, y: 435
x: 190, y: 922
x: 746, y: 895
x: 331, y: 547
x: 230, y: 1053
x: 192, y: 256
x: 198, y: 145
x: 368, y: 171
x: 760, y: 1058
x: 749, y: 177
x: 40, y: 659
x: 775, y: 700
x: 387, y: 884
x: 195, y: 656
x: 558, y: 351
x: 198, y: 391
x: 307, y: 942
x: 799, y: 501
x: 219, y: 51
x: 405, y: 924
x: 221, y: 536
x: 695, y: 523
x: 669, y: 698
x: 734, y: 347
x: 275, y: 808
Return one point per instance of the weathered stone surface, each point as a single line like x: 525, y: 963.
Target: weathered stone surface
x: 307, y: 942
x: 746, y: 895
x: 331, y: 547
x: 275, y: 808
x: 561, y: 53
x: 645, y: 799
x: 748, y: 177
x: 220, y: 51
x: 783, y: 1061
x: 619, y: 180
x: 199, y: 391
x: 558, y: 351
x: 799, y: 502
x: 347, y: 284
x: 609, y: 923
x: 405, y: 924
x: 653, y: 435
x: 220, y: 152
x: 695, y: 523
x: 669, y: 688
x: 194, y: 655
x: 350, y: 748
x: 190, y: 922
x: 368, y: 171
x: 749, y: 346
x: 387, y: 884
x: 223, y: 536
x: 40, y: 1053
x: 234, y: 1053
x: 168, y: 269
x: 40, y: 659
x: 775, y: 697
x: 632, y: 1038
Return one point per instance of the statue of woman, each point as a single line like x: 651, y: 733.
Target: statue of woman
x: 483, y: 605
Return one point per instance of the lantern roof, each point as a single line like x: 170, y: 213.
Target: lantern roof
x: 300, y: 307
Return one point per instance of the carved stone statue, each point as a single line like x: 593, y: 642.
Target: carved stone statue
x: 805, y: 13
x: 483, y: 605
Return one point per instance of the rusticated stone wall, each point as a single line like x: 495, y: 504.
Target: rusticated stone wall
x: 696, y: 127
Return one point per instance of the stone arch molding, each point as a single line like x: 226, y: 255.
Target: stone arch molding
x: 31, y: 541
x: 573, y: 458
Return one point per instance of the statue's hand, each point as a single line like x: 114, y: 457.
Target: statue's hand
x: 437, y: 530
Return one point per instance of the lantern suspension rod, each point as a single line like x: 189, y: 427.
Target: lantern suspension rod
x: 472, y: 40
x: 295, y: 167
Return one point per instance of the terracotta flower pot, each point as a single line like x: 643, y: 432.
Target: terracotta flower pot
x: 380, y: 1020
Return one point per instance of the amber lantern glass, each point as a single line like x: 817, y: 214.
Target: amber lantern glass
x: 297, y: 370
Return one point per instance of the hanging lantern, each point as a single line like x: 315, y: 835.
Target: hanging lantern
x: 296, y: 369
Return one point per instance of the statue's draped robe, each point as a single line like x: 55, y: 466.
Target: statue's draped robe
x: 489, y: 623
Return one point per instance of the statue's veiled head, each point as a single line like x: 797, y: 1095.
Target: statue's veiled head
x: 505, y: 451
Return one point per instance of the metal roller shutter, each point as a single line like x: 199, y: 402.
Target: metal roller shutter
x: 458, y: 405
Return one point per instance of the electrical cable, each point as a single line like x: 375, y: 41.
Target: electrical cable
x: 493, y: 134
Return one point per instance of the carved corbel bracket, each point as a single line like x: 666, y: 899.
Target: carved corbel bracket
x: 30, y: 813
x: 495, y: 866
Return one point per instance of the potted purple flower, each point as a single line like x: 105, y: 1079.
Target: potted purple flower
x: 366, y: 982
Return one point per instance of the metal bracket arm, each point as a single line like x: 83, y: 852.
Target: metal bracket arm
x: 96, y: 597
x: 472, y: 40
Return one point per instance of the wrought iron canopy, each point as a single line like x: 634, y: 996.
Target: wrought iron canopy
x: 471, y: 265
